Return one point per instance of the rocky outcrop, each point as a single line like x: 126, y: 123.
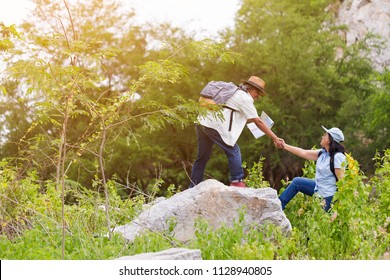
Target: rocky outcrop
x: 213, y: 201
x: 170, y: 254
x: 364, y: 16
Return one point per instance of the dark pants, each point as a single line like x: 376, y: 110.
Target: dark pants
x: 207, y: 137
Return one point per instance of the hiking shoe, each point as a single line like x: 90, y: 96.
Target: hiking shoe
x: 240, y: 184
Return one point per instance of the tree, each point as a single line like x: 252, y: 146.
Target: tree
x: 295, y: 47
x: 79, y: 107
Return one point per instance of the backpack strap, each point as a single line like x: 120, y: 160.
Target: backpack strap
x: 332, y: 167
x: 231, y: 116
x: 231, y: 120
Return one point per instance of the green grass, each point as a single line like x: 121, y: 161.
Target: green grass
x: 356, y: 228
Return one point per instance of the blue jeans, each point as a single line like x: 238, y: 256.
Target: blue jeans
x: 302, y: 185
x: 207, y: 137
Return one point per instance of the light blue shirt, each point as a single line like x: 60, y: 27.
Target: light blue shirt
x: 325, y: 180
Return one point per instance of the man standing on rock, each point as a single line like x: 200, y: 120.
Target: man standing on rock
x: 212, y: 129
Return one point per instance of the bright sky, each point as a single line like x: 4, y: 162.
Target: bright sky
x: 201, y: 15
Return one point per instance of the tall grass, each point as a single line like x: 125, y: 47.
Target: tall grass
x: 357, y: 227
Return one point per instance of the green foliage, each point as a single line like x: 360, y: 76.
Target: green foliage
x: 309, y: 169
x: 31, y: 220
x: 86, y: 68
x: 29, y: 247
x: 291, y: 45
x: 80, y: 104
x: 255, y: 178
x: 356, y: 228
x: 6, y: 32
x: 244, y: 242
x: 70, y: 111
x: 149, y: 242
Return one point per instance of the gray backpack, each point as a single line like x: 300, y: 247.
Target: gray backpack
x: 217, y: 93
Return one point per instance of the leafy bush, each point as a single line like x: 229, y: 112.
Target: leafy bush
x: 31, y: 224
x: 357, y: 226
x: 255, y: 178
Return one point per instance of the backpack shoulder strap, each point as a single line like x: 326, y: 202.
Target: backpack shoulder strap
x: 332, y: 165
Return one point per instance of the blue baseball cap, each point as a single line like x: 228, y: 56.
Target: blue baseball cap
x: 336, y: 133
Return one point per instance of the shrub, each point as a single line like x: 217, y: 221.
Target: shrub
x: 357, y: 226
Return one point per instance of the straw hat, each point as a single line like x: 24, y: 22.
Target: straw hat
x: 256, y: 82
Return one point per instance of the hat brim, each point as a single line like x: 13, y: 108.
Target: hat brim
x: 333, y: 136
x: 255, y: 85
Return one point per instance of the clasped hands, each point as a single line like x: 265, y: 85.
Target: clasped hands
x: 279, y: 143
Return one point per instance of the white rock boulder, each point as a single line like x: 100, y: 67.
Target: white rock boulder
x: 170, y: 254
x: 213, y: 201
